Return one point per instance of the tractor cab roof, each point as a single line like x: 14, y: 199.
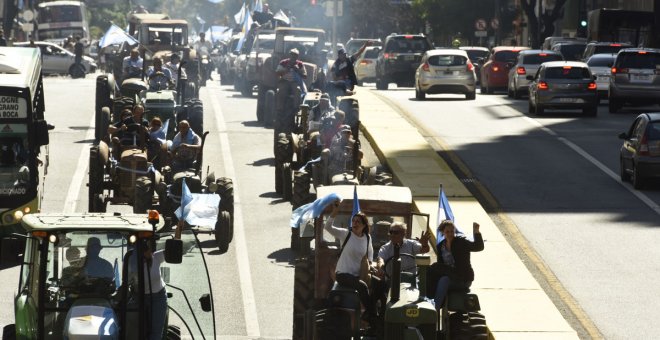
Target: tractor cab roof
x: 20, y: 68
x: 374, y: 199
x: 93, y: 222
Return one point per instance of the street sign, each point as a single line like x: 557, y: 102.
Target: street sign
x: 495, y: 23
x: 330, y: 8
x: 480, y: 24
x: 480, y: 34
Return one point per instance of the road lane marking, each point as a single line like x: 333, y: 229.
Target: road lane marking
x: 71, y: 202
x: 516, y: 238
x: 244, y: 275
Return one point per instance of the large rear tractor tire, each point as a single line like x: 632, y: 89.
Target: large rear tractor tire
x: 95, y: 185
x: 223, y: 231
x: 478, y: 328
x: 301, y: 182
x: 269, y: 108
x: 303, y: 294
x: 144, y: 192
x: 103, y: 99
x: 287, y: 182
x: 226, y: 192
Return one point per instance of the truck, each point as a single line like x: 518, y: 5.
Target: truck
x: 618, y: 25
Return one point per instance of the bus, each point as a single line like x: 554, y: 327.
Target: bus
x: 617, y: 25
x: 57, y: 20
x: 23, y: 131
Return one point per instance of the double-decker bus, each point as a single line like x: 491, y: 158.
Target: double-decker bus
x: 618, y: 25
x: 23, y: 131
x: 57, y: 20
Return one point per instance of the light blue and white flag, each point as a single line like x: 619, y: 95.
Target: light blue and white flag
x: 444, y: 213
x: 247, y: 23
x: 258, y: 6
x: 198, y: 209
x: 356, y: 206
x: 240, y: 16
x: 116, y: 35
x: 312, y: 210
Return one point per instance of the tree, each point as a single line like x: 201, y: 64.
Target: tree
x: 547, y: 20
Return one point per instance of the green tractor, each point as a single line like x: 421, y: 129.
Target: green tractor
x: 322, y: 309
x: 61, y: 296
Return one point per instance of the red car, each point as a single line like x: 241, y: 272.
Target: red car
x: 495, y: 72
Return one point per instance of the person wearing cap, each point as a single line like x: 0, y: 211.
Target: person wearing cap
x: 319, y: 111
x: 343, y: 69
x: 292, y: 73
x: 132, y: 65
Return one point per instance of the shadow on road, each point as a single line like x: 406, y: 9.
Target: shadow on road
x: 284, y: 255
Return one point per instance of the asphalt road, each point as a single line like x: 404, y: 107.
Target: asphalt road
x: 556, y: 178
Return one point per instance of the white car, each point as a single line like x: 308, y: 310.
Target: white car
x: 57, y: 60
x: 601, y: 67
x: 445, y: 71
x: 365, y: 65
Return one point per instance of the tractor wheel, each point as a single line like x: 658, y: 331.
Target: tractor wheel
x: 269, y: 108
x: 196, y: 116
x: 246, y: 89
x: 173, y: 333
x: 102, y: 100
x: 278, y: 178
x: 77, y: 71
x: 95, y: 185
x: 331, y: 324
x: 286, y: 181
x: 144, y: 192
x: 261, y: 97
x: 283, y: 151
x: 478, y: 328
x: 303, y: 294
x: 226, y: 192
x: 301, y: 183
x: 191, y: 91
x: 636, y: 179
x: 102, y: 122
x: 223, y: 231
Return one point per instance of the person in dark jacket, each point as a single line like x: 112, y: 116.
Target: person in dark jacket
x: 453, y: 269
x: 343, y: 69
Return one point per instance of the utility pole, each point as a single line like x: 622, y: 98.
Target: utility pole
x: 335, y: 10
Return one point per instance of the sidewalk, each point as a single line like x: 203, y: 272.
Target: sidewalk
x: 515, y: 305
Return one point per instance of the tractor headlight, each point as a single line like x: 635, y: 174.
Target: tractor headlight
x: 18, y: 215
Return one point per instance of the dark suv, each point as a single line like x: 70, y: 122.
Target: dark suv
x: 399, y: 59
x: 635, y: 78
x: 640, y: 152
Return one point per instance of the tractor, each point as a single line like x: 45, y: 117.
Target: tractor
x: 323, y: 309
x: 60, y: 296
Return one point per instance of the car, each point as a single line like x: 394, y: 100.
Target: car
x: 640, y: 152
x: 399, y: 59
x: 635, y: 78
x: 495, y: 72
x: 563, y: 85
x: 528, y: 62
x: 603, y: 47
x: 365, y: 65
x: 570, y: 50
x: 478, y: 56
x: 551, y: 41
x: 57, y: 60
x: 353, y: 45
x: 601, y: 67
x: 445, y: 71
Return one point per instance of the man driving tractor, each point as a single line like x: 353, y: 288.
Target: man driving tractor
x: 292, y: 73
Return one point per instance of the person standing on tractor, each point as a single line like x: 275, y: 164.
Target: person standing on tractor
x: 453, y: 269
x: 355, y: 247
x: 343, y: 69
x: 78, y: 48
x: 292, y: 73
x: 159, y: 78
x: 132, y: 65
x: 173, y: 66
x: 185, y: 145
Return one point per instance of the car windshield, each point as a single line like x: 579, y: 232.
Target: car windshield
x: 572, y: 51
x: 645, y: 60
x: 506, y: 56
x: 538, y: 59
x: 653, y: 131
x: 408, y: 45
x: 567, y: 72
x: 476, y: 54
x: 447, y: 60
x: 601, y: 61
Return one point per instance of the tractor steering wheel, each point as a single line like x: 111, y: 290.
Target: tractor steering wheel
x: 156, y: 81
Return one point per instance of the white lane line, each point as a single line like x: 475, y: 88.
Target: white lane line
x: 244, y: 275
x: 71, y: 202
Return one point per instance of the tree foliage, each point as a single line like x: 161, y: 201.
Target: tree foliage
x: 450, y: 19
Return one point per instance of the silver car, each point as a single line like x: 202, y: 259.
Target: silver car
x: 563, y: 85
x: 365, y: 65
x: 635, y: 78
x: 528, y: 62
x: 445, y: 71
x: 57, y: 60
x: 601, y: 67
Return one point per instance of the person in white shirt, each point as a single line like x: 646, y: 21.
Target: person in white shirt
x: 132, y: 65
x: 356, y: 243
